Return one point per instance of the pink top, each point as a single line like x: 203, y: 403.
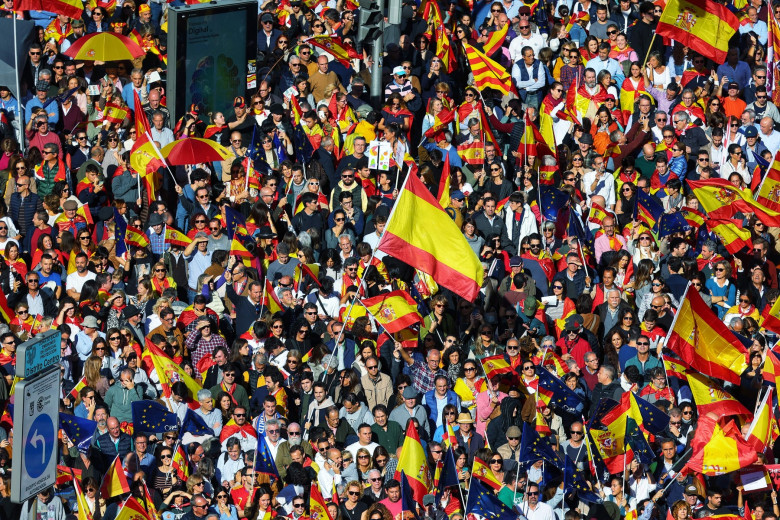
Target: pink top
x: 484, y: 409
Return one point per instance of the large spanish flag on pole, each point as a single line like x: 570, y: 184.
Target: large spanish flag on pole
x: 721, y: 199
x: 710, y: 397
x: 768, y: 192
x: 412, y: 462
x: 719, y: 449
x: 701, y: 25
x: 763, y: 430
x: 421, y: 234
x: 770, y: 317
x: 704, y: 342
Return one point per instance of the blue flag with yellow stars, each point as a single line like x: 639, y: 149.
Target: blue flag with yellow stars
x: 281, y: 153
x: 602, y: 407
x: 120, y: 230
x: 153, y: 417
x: 449, y: 473
x: 264, y: 461
x: 486, y: 504
x: 194, y: 424
x: 407, y: 497
x: 557, y: 395
x: 650, y: 418
x: 234, y: 222
x: 534, y: 448
x: 79, y: 430
x: 672, y: 223
x: 647, y: 209
x: 639, y: 445
x: 574, y: 481
x: 576, y: 229
x: 553, y: 200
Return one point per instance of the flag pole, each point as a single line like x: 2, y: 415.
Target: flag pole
x: 160, y: 155
x: 677, y: 315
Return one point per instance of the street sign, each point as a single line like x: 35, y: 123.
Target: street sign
x: 38, y: 354
x: 36, y: 423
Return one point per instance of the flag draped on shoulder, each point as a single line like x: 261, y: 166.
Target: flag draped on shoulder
x: 702, y: 25
x: 420, y: 233
x: 704, y: 342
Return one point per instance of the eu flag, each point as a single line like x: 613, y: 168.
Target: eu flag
x: 407, y: 496
x: 560, y: 395
x: 486, y: 504
x: 553, y: 200
x: 653, y: 420
x: 302, y: 145
x: 281, y: 153
x: 574, y: 482
x: 120, y: 230
x: 264, y: 462
x: 79, y: 430
x: 636, y: 439
x: 194, y: 424
x: 672, y: 223
x: 602, y: 407
x: 534, y: 448
x: 449, y: 473
x: 234, y: 221
x: 153, y: 417
x: 647, y: 209
x: 575, y: 228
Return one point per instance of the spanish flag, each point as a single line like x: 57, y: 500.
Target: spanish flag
x: 81, y: 501
x: 169, y: 372
x: 310, y: 270
x: 421, y: 234
x: 701, y: 25
x: 763, y: 430
x: 443, y: 196
x: 721, y: 199
x: 132, y: 509
x: 412, y: 462
x: 771, y: 371
x: 495, y: 40
x: 66, y: 474
x: 471, y: 153
x: 674, y: 368
x: 444, y: 47
x: 333, y: 45
x: 488, y: 73
x: 441, y: 121
x: 611, y: 445
x: 719, y: 449
x: 114, y: 481
x: 7, y: 312
x: 769, y: 191
x: 317, y: 504
x: 270, y: 301
x: 395, y: 310
x: 731, y: 233
x: 136, y: 237
x: 71, y: 263
x: 771, y: 319
x: 176, y: 237
x: 482, y: 471
x: 704, y: 342
x: 710, y: 397
x: 495, y: 366
x: 449, y: 438
x: 238, y: 249
x: 70, y: 8
x: 115, y: 113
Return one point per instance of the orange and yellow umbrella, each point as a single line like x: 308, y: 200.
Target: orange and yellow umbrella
x: 104, y: 46
x: 194, y: 150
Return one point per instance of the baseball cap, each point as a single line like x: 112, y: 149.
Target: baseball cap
x: 457, y: 194
x: 734, y: 85
x: 515, y: 261
x: 751, y: 131
x: 399, y: 71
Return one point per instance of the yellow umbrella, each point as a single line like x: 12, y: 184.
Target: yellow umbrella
x: 105, y: 46
x: 194, y: 150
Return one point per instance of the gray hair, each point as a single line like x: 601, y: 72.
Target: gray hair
x: 270, y: 422
x: 326, y: 141
x: 203, y: 394
x: 751, y: 113
x: 683, y: 115
x: 304, y: 239
x: 609, y: 371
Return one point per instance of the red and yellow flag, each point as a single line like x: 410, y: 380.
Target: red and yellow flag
x: 421, y: 234
x: 769, y: 191
x: 721, y: 199
x: 176, y: 237
x: 132, y: 509
x: 6, y: 311
x: 395, y: 310
x: 495, y: 366
x: 317, y: 504
x: 763, y: 430
x: 270, y: 300
x: 704, y: 342
x: 81, y: 500
x: 115, y: 113
x: 731, y: 233
x: 412, y: 462
x: 719, y: 449
x: 495, y: 40
x: 471, y: 153
x: 710, y: 397
x: 482, y: 471
x: 771, y: 321
x: 488, y: 73
x: 136, y: 237
x: 440, y: 122
x: 443, y: 196
x: 71, y: 8
x: 702, y: 25
x: 238, y: 249
x: 334, y: 46
x: 114, y: 481
x: 169, y: 372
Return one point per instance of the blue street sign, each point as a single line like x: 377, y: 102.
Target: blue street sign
x: 40, y: 445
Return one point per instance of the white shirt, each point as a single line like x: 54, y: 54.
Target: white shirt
x: 76, y: 282
x: 605, y: 187
x: 536, y: 42
x: 228, y: 469
x: 542, y: 511
x: 352, y: 448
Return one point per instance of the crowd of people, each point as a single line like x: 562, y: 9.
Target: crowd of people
x: 254, y: 298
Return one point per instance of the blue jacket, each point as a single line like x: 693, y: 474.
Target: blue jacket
x: 430, y: 404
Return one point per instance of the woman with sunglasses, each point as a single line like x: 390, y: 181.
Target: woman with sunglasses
x: 223, y: 507
x: 353, y: 508
x: 722, y: 290
x: 164, y: 476
x: 395, y: 111
x: 469, y: 384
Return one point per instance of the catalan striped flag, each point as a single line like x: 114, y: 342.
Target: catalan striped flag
x: 136, y: 237
x: 495, y: 40
x: 488, y: 73
x: 176, y: 237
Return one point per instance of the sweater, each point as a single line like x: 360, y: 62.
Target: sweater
x: 119, y: 401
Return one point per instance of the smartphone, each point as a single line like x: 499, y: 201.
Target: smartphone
x: 93, y: 90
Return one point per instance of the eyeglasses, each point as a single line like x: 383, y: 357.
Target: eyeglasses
x: 576, y: 432
x: 687, y: 412
x: 533, y: 493
x: 298, y: 505
x: 18, y: 312
x: 159, y: 270
x: 529, y: 367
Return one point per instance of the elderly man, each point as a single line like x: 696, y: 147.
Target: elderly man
x: 322, y: 80
x: 411, y: 409
x: 609, y: 240
x: 610, y: 310
x: 211, y: 416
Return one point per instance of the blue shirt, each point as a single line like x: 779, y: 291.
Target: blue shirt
x: 127, y: 95
x: 11, y: 107
x: 157, y: 242
x: 610, y: 65
x: 198, y: 264
x: 52, y: 109
x: 740, y: 73
x: 759, y: 28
